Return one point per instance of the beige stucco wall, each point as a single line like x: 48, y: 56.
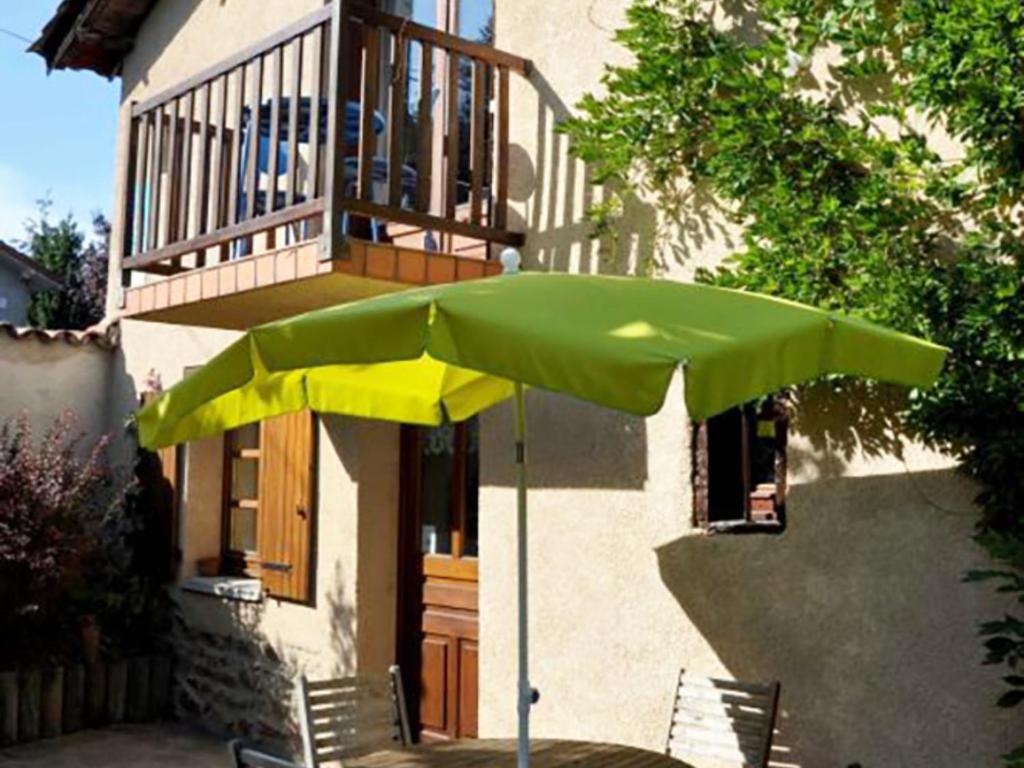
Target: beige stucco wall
x: 356, y: 527
x: 858, y: 608
x: 356, y: 522
x: 183, y: 37
x: 350, y: 624
x: 356, y: 461
x: 45, y: 378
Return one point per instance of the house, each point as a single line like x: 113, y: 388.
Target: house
x: 20, y: 277
x: 309, y: 154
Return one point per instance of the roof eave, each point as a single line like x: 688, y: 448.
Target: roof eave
x: 92, y: 35
x: 38, y: 272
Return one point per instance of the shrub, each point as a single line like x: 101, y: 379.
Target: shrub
x: 55, y: 495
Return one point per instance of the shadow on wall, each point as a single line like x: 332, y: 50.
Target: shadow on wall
x: 872, y: 638
x: 571, y: 444
x: 230, y: 680
x: 369, y: 454
x: 343, y: 624
x: 120, y: 401
x: 555, y: 191
x: 843, y: 420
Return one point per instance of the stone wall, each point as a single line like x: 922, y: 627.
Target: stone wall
x: 233, y: 683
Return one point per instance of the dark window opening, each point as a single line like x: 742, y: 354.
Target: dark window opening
x: 739, y: 469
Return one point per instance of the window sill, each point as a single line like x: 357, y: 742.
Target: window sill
x: 226, y: 587
x: 744, y: 526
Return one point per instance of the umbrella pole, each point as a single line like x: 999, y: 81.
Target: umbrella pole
x: 525, y: 692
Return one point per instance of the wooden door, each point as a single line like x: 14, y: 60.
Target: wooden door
x: 438, y: 621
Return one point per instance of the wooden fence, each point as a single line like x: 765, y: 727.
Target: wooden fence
x: 47, y: 702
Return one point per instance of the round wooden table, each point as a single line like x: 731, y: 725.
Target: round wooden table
x: 501, y: 753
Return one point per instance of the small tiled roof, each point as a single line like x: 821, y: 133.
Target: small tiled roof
x: 19, y: 260
x: 103, y: 336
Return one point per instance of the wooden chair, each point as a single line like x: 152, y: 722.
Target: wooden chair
x: 725, y: 720
x: 340, y: 719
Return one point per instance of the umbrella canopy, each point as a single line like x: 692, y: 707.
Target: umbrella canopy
x: 450, y: 351
x: 453, y: 350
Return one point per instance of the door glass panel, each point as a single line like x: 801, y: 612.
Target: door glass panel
x: 472, y: 489
x: 243, y: 478
x: 438, y: 468
x: 243, y: 529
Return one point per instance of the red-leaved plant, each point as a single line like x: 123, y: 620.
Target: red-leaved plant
x: 54, y: 496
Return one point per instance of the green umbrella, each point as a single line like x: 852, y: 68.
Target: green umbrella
x: 450, y: 351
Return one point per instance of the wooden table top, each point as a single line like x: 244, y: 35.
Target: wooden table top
x: 501, y: 753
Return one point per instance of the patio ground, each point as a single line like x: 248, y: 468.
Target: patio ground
x: 126, y: 746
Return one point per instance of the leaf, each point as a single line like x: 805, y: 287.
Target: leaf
x: 986, y: 575
x: 1011, y: 699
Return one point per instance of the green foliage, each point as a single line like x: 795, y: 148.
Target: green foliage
x: 81, y: 266
x: 843, y: 203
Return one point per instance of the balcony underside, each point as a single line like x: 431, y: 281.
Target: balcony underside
x: 288, y: 281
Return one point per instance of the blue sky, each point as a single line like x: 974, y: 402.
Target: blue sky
x: 57, y: 132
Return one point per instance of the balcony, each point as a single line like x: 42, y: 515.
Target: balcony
x: 352, y: 153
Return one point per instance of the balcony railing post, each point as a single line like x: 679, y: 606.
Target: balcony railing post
x: 333, y: 238
x: 123, y: 229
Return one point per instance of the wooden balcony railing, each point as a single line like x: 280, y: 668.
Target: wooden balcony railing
x: 261, y: 145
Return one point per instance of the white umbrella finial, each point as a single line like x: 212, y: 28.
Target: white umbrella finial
x: 511, y: 260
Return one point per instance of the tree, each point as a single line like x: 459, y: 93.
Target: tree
x: 82, y: 267
x: 843, y: 202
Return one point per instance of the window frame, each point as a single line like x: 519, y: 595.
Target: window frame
x: 239, y: 562
x: 289, y: 575
x: 754, y: 520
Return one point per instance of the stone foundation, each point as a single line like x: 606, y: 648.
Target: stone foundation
x: 232, y: 684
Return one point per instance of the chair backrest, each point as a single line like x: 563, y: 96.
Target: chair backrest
x: 349, y: 716
x: 727, y: 720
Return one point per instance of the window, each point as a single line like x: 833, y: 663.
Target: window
x: 242, y: 460
x: 446, y: 477
x: 268, y: 504
x: 739, y: 469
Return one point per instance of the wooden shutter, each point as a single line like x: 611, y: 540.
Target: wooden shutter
x: 286, y: 526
